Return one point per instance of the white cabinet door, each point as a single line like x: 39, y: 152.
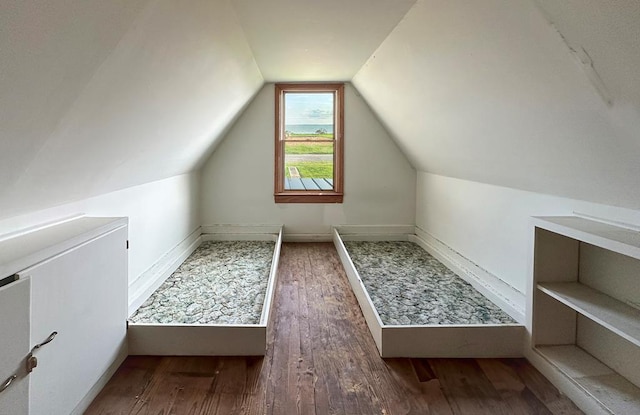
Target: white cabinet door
x: 14, y: 347
x: 81, y: 294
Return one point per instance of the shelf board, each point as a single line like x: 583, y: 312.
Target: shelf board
x: 615, y: 238
x: 613, y: 314
x: 612, y: 391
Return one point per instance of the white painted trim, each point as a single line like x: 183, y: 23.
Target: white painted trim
x: 40, y: 226
x: 361, y: 230
x: 375, y: 232
x: 614, y: 238
x: 453, y: 341
x: 273, y: 278
x: 240, y: 229
x: 608, y: 221
x: 376, y: 237
x: 512, y: 301
x: 371, y: 316
x: 102, y: 382
x: 197, y: 339
x: 238, y: 237
x: 29, y: 249
x: 149, y: 281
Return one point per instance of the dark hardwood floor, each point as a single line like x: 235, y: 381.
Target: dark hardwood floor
x: 321, y: 359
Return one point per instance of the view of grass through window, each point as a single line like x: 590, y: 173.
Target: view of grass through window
x: 309, y: 140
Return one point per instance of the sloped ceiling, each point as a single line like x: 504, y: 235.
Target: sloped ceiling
x: 311, y: 40
x: 609, y: 32
x: 100, y: 95
x: 489, y: 91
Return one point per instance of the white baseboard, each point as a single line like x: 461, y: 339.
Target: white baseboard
x: 154, y: 276
x: 239, y: 237
x: 375, y: 232
x: 512, y: 301
x: 237, y: 232
x: 235, y: 229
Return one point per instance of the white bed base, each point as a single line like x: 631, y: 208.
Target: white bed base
x: 453, y: 341
x: 211, y: 339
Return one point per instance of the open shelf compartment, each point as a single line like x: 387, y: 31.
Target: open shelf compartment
x: 611, y: 390
x: 585, y: 325
x: 618, y: 317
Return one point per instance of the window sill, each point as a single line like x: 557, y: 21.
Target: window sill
x: 308, y: 197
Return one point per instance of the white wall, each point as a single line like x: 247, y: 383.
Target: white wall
x: 489, y: 225
x: 161, y: 215
x: 237, y: 181
x: 488, y: 91
x: 97, y: 96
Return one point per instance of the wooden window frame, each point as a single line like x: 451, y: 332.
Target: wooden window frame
x: 310, y: 196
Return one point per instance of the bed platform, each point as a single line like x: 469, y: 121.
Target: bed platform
x: 417, y: 307
x: 217, y: 303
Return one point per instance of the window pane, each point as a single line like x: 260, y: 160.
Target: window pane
x: 308, y: 115
x: 308, y: 165
x: 308, y: 147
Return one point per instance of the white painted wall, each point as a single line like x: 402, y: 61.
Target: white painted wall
x: 488, y: 91
x: 237, y: 181
x: 98, y: 96
x: 161, y: 215
x: 489, y: 224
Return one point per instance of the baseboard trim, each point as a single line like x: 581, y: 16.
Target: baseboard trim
x: 149, y: 281
x: 238, y: 237
x: 236, y: 229
x: 375, y: 229
x: 512, y: 301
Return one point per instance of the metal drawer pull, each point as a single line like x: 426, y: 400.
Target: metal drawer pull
x: 7, y: 383
x: 47, y: 341
x: 32, y: 361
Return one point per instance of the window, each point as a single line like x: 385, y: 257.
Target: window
x: 309, y: 143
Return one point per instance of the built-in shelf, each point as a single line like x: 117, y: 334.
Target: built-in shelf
x: 615, y: 238
x: 612, y: 391
x: 585, y: 334
x: 616, y: 316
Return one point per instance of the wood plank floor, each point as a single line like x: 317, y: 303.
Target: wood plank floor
x: 321, y: 359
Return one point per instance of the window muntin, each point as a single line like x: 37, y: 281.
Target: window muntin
x: 309, y: 143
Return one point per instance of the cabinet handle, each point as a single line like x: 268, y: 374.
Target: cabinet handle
x: 46, y: 341
x: 32, y: 361
x: 7, y: 383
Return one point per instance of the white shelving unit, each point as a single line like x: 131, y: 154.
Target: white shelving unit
x: 585, y: 300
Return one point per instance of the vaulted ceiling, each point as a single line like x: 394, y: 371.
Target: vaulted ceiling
x: 311, y: 40
x: 492, y: 91
x: 100, y: 95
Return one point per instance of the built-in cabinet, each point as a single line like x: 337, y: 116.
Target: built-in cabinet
x: 585, y: 306
x: 65, y: 288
